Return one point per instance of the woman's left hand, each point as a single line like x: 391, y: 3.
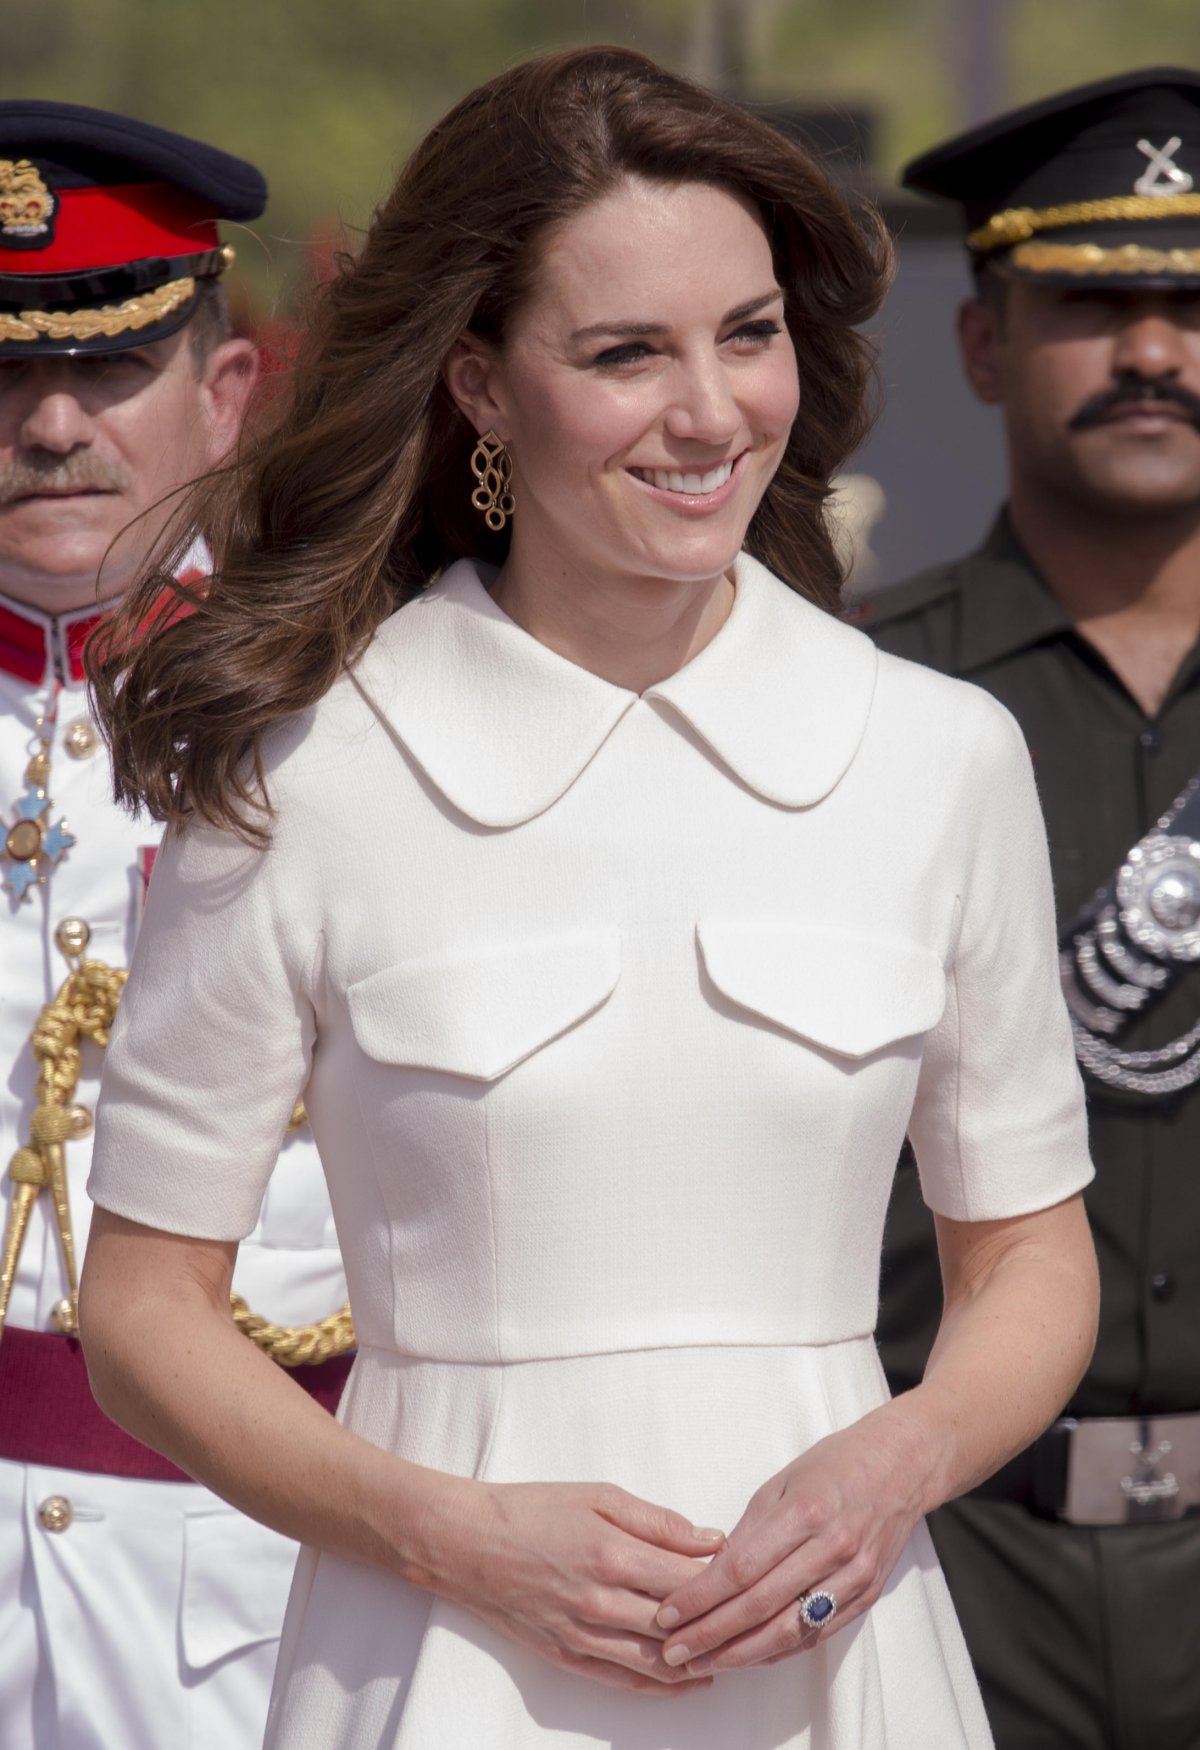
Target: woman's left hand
x: 835, y: 1520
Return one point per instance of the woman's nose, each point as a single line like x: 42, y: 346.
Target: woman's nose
x: 703, y: 407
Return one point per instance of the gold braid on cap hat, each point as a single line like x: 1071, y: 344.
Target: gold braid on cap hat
x: 1086, y: 258
x: 1017, y: 224
x: 109, y: 320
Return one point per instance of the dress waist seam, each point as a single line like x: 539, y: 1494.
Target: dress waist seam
x: 807, y: 1344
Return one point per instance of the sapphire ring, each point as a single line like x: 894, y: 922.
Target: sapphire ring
x: 817, y: 1608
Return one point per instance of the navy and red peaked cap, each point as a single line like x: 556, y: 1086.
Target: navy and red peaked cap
x: 107, y: 226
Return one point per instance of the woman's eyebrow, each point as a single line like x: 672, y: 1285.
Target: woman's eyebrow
x: 636, y: 330
x: 753, y: 307
x: 642, y: 330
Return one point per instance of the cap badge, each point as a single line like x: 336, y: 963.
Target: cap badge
x: 27, y: 206
x: 1164, y: 177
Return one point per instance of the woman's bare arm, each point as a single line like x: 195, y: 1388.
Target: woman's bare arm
x: 1021, y: 1304
x: 1022, y: 1300
x: 167, y: 1363
x: 573, y: 1571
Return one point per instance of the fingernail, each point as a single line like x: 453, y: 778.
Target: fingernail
x: 700, y: 1667
x: 676, y: 1656
x: 668, y: 1616
x: 708, y: 1535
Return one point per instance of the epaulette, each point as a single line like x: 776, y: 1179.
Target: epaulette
x: 899, y: 600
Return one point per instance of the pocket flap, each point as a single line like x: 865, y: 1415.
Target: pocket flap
x: 236, y: 1578
x: 481, y: 1011
x: 850, y: 993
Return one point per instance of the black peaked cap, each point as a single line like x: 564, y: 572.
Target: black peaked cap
x: 1109, y: 170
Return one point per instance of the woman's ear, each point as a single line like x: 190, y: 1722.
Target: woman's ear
x: 472, y: 375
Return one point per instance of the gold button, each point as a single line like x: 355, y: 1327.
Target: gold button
x: 81, y: 739
x: 63, y: 1318
x: 56, y: 1513
x: 72, y: 937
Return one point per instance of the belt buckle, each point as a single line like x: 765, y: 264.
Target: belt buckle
x: 1118, y: 1472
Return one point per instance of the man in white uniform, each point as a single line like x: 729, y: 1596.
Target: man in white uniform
x: 137, y: 1611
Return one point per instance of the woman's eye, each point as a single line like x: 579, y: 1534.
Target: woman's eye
x: 628, y: 354
x: 758, y: 333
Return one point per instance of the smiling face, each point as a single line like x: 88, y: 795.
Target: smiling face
x: 1100, y: 391
x: 90, y: 442
x: 645, y: 390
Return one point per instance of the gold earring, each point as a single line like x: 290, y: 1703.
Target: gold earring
x: 491, y: 465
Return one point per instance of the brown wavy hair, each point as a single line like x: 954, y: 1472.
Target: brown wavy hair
x: 346, y: 501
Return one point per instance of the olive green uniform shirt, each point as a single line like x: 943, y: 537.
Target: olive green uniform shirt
x: 1105, y: 772
x: 1084, y: 1638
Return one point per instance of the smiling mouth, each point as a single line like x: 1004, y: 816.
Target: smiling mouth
x: 695, y: 485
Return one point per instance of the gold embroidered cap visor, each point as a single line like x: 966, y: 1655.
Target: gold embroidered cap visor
x: 108, y: 226
x: 1099, y: 185
x: 105, y: 327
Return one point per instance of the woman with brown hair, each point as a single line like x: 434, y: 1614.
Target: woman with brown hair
x: 616, y: 909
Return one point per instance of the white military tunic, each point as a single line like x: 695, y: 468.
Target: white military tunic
x: 611, y: 1013
x: 151, y: 1619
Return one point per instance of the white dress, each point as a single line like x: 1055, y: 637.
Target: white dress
x: 611, y: 1014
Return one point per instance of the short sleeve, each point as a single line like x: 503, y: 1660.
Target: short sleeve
x: 211, y: 1045
x: 999, y: 1126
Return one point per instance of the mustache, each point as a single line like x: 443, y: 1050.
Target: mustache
x: 1135, y: 392
x: 39, y: 471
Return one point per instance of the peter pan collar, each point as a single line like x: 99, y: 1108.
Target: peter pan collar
x: 504, y: 726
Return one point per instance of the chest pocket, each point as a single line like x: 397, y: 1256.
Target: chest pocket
x: 850, y: 994
x: 478, y: 1012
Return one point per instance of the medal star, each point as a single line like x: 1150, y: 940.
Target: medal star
x: 19, y: 878
x: 33, y: 804
x: 56, y: 840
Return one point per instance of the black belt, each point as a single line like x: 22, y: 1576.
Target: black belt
x: 1106, y: 1470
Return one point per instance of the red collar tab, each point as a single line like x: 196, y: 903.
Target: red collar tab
x: 109, y: 227
x: 77, y: 633
x: 35, y: 647
x: 24, y: 646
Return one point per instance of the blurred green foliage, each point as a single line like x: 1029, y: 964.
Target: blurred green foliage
x: 328, y: 95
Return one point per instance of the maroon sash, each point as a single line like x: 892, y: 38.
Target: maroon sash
x: 49, y: 1417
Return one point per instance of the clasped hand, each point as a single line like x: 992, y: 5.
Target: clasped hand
x: 835, y: 1519
x: 604, y: 1584
x: 576, y: 1571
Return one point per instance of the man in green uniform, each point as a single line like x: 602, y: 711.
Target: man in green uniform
x: 1076, y: 1571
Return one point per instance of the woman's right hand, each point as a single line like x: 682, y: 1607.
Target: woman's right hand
x: 576, y: 1571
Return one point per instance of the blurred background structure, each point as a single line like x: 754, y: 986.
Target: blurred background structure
x: 329, y: 95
